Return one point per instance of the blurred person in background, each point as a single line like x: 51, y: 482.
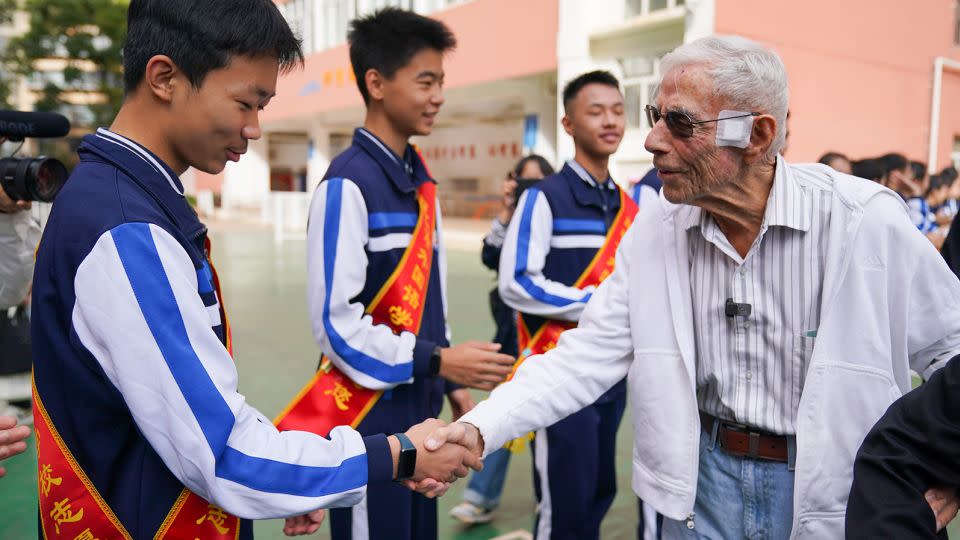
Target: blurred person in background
x: 948, y: 196
x: 482, y: 496
x: 645, y: 190
x: 837, y: 162
x: 899, y: 176
x: 19, y: 234
x: 920, y: 175
x: 869, y: 168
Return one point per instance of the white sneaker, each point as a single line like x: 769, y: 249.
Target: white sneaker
x: 471, y: 514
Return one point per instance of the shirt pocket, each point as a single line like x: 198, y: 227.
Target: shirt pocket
x: 800, y: 362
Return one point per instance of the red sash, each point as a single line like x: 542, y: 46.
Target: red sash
x: 599, y: 268
x: 71, y: 508
x: 331, y: 398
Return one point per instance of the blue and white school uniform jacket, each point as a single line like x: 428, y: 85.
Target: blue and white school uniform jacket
x: 559, y: 225
x: 361, y: 220
x: 130, y: 362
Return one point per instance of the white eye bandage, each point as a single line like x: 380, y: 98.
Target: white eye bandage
x: 734, y: 128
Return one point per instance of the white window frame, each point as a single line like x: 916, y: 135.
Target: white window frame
x: 645, y: 82
x: 645, y: 7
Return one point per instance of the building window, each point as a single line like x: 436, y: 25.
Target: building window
x: 641, y: 75
x: 323, y: 24
x: 429, y: 6
x: 956, y: 23
x: 645, y: 7
x: 955, y: 155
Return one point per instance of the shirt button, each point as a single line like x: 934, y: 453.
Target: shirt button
x: 749, y: 375
x: 746, y: 324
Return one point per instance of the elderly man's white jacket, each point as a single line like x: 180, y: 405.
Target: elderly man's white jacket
x: 890, y: 305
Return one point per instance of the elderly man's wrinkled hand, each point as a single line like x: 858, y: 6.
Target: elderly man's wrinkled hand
x: 458, y: 433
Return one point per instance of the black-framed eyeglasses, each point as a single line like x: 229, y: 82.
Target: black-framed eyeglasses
x: 679, y: 123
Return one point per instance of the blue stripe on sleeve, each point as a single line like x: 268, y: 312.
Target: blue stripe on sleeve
x: 144, y: 269
x: 523, y: 249
x: 276, y: 477
x: 388, y: 220
x: 205, y: 279
x: 580, y: 225
x: 358, y: 360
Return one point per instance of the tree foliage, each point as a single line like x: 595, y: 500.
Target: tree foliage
x: 72, y: 55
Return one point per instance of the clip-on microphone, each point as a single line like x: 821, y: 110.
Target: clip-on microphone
x: 733, y: 309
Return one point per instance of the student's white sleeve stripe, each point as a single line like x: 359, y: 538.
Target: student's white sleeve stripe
x: 590, y: 241
x: 389, y: 241
x: 138, y: 313
x: 521, y: 281
x: 371, y: 355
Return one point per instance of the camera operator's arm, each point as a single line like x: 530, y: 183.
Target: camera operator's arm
x: 19, y: 234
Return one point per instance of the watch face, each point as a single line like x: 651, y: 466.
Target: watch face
x: 407, y: 464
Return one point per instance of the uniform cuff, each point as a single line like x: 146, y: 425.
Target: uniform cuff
x: 422, y: 351
x: 379, y: 460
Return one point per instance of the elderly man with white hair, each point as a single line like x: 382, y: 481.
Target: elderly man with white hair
x: 765, y: 313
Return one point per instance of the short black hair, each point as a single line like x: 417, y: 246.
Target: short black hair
x: 949, y: 173
x: 387, y: 39
x: 203, y: 36
x: 919, y: 169
x: 599, y: 76
x: 871, y: 169
x: 545, y: 168
x: 829, y: 157
x: 893, y: 161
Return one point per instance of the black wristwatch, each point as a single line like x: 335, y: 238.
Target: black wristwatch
x: 407, y: 462
x: 435, y: 361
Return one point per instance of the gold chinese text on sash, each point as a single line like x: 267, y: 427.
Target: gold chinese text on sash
x: 599, y: 268
x: 331, y: 399
x: 72, y: 508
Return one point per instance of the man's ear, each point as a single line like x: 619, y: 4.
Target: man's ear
x: 567, y: 124
x: 374, y: 80
x: 761, y: 137
x: 161, y: 77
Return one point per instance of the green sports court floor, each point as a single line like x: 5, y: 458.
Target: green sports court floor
x: 264, y: 291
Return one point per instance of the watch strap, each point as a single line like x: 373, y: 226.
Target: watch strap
x: 407, y: 460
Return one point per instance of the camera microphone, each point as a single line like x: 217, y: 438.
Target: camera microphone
x: 733, y: 309
x: 17, y: 125
x: 28, y: 178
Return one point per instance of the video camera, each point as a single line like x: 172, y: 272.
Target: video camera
x: 27, y: 178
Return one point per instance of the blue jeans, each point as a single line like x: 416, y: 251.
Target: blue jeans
x: 487, y: 485
x: 737, y: 498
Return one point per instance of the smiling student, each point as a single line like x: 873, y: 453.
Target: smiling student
x: 376, y: 272
x: 141, y: 431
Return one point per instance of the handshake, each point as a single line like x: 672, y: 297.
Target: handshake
x: 445, y: 452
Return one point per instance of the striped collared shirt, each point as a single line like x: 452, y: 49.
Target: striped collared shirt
x: 751, y: 370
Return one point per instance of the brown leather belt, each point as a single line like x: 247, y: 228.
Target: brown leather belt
x: 741, y: 440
